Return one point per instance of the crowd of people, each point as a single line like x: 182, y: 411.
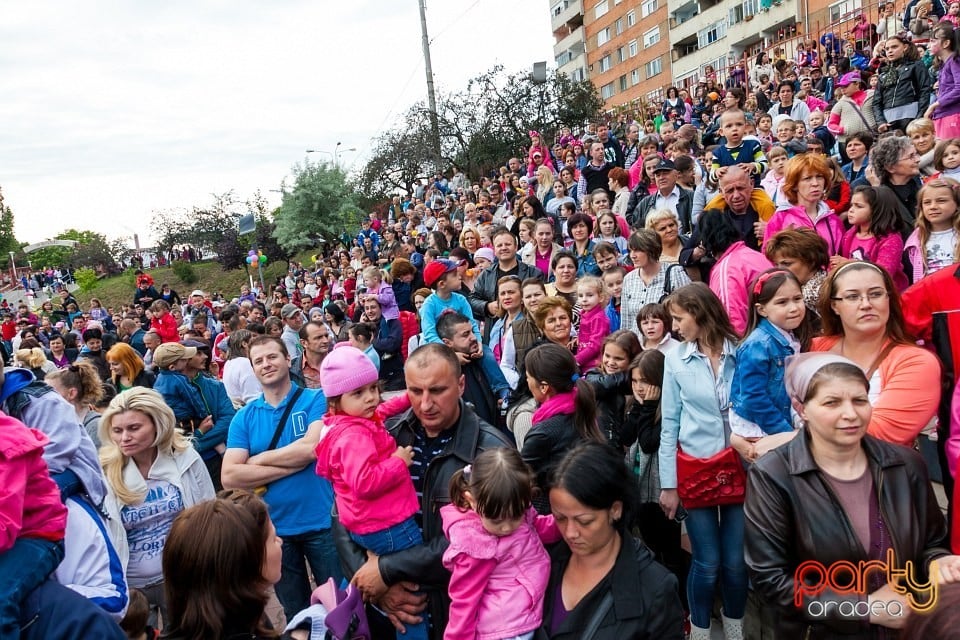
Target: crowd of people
x: 632, y: 374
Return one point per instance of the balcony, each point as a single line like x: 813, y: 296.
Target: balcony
x: 571, y: 16
x: 683, y: 48
x: 572, y: 42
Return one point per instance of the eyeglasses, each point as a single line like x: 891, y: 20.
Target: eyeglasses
x: 912, y: 156
x: 872, y: 296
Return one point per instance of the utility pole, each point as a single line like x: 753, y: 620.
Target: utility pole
x: 431, y: 96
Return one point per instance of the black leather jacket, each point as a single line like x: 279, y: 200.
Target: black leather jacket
x: 423, y: 564
x: 792, y: 515
x: 646, y: 604
x: 612, y: 391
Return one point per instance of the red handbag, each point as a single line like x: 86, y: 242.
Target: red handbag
x: 710, y: 482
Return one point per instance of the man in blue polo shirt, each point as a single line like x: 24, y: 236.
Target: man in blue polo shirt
x: 299, y: 500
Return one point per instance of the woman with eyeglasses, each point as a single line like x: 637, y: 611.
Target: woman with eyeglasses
x: 895, y: 163
x: 863, y: 322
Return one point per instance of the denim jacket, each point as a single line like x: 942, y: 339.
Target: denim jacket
x: 693, y: 417
x: 758, y: 393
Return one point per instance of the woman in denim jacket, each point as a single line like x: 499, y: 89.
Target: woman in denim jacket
x: 695, y: 406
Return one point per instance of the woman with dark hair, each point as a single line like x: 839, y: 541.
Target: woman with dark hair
x: 580, y: 228
x: 736, y: 267
x: 903, y: 90
x: 674, y: 108
x: 761, y: 67
x: 566, y: 413
x: 564, y: 266
x: 833, y: 495
x: 221, y: 559
x: 239, y: 380
x: 648, y: 282
x: 337, y: 322
x: 695, y: 442
x: 604, y: 583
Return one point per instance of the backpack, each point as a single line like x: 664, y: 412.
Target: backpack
x: 411, y: 327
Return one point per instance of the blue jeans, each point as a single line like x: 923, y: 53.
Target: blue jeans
x: 716, y: 542
x: 22, y: 569
x: 397, y: 538
x: 493, y: 373
x: 315, y: 548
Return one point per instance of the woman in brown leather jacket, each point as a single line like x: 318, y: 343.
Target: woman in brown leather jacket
x: 836, y: 494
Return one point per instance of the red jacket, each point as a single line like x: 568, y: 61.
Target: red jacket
x: 166, y: 326
x: 31, y: 507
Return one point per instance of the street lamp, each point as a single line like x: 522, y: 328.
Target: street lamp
x: 336, y: 153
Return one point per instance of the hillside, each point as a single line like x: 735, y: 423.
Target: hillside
x: 118, y: 290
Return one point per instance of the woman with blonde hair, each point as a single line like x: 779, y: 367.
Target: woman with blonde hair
x: 153, y: 473
x: 666, y: 224
x: 544, y: 184
x: 31, y: 356
x: 79, y: 384
x: 127, y: 369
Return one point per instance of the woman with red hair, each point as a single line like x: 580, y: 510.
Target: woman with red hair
x: 805, y: 187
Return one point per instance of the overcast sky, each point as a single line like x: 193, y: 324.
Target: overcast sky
x: 113, y: 110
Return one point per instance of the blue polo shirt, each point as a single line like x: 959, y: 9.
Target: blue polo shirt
x: 301, y: 502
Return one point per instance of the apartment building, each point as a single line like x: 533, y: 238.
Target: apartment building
x: 628, y: 48
x: 635, y: 49
x: 569, y: 46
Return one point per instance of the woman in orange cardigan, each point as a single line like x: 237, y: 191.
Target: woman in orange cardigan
x: 863, y: 321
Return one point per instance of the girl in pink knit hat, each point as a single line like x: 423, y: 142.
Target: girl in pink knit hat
x: 375, y: 497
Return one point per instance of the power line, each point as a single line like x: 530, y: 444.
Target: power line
x: 455, y: 20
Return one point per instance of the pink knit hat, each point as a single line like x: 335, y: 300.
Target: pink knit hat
x: 345, y: 369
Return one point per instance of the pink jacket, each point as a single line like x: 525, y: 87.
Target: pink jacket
x: 31, y: 507
x: 915, y: 255
x: 827, y: 225
x: 594, y: 327
x: 885, y: 251
x: 497, y: 583
x: 730, y: 279
x: 372, y: 488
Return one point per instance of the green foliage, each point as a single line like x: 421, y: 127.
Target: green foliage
x: 8, y: 242
x: 319, y: 207
x: 481, y: 127
x: 201, y: 227
x: 185, y: 271
x: 93, y: 250
x: 86, y: 279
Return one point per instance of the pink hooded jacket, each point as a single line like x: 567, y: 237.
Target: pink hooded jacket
x: 827, y: 225
x: 730, y: 279
x: 31, y: 507
x: 372, y: 487
x: 498, y: 583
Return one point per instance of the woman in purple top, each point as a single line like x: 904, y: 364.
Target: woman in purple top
x: 945, y: 112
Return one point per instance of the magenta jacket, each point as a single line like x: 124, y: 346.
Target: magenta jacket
x: 497, y: 583
x: 827, y: 225
x: 730, y: 279
x: 594, y: 327
x: 31, y: 507
x: 885, y: 251
x: 372, y: 488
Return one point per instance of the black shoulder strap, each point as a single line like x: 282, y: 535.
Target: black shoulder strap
x: 590, y: 631
x: 283, y: 419
x: 667, y: 282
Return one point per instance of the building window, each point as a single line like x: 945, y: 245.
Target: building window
x: 736, y: 15
x: 618, y: 26
x: 557, y: 9
x: 617, y: 2
x: 633, y: 48
x: 651, y: 37
x: 648, y: 7
x: 602, y: 8
x: 603, y: 37
x: 607, y: 91
x: 653, y: 67
x: 635, y: 77
x: 711, y: 34
x: 750, y: 8
x: 839, y: 9
x: 621, y: 54
x: 623, y: 82
x: 605, y: 64
x: 631, y: 18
